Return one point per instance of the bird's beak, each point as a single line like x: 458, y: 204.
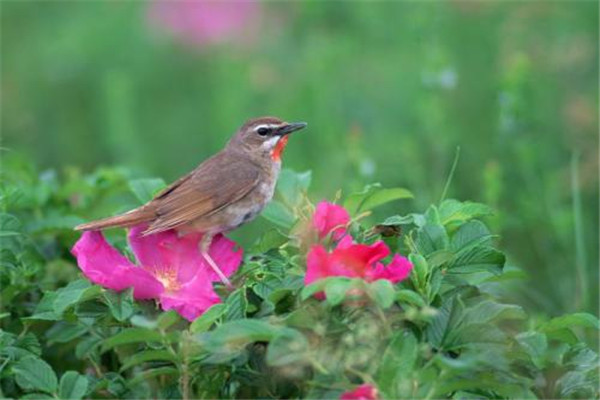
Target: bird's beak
x: 289, y: 128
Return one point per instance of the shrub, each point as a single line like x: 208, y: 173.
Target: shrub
x: 444, y: 331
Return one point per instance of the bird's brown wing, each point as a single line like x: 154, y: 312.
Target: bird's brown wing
x: 216, y: 183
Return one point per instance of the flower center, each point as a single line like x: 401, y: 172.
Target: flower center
x: 168, y: 277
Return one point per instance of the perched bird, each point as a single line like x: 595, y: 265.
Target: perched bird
x: 222, y: 193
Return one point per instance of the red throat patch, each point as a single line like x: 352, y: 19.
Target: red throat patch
x: 278, y: 150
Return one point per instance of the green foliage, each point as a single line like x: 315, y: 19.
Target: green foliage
x: 445, y: 332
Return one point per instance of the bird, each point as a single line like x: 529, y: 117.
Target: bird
x: 224, y: 192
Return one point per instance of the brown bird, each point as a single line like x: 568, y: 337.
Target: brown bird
x: 222, y: 193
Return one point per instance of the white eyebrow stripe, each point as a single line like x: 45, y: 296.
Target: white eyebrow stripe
x: 270, y: 126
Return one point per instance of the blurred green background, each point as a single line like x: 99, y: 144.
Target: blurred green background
x: 389, y: 89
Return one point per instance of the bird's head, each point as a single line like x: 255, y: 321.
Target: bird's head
x: 264, y: 137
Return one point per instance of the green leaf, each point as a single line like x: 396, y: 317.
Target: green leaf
x: 535, y: 345
x: 271, y: 239
x: 290, y: 347
x: 476, y: 259
x: 335, y: 290
x: 470, y: 234
x: 383, y: 293
x: 453, y: 211
x: 32, y: 373
x: 120, y: 303
x: 63, y: 332
x: 208, y: 318
x: 167, y: 319
x: 145, y: 189
x: 416, y: 219
x: 36, y: 396
x: 487, y: 311
x: 373, y: 196
x: 235, y: 335
x: 237, y: 305
x: 397, y: 363
x: 431, y: 238
x: 583, y: 320
x: 148, y: 355
x: 75, y: 292
x: 420, y: 270
x: 292, y: 186
x: 144, y: 376
x: 72, y: 386
x: 410, y: 297
x: 277, y: 213
x: 131, y: 335
x: 45, y: 308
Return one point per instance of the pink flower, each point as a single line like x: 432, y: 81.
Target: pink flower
x: 171, y: 268
x: 362, y: 392
x: 355, y: 260
x: 330, y: 218
x: 207, y: 22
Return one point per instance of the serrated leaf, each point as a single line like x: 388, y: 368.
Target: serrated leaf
x: 208, y: 318
x: 120, y: 303
x: 87, y: 346
x: 410, y: 297
x: 237, y: 304
x: 584, y: 320
x: 431, y: 238
x: 145, y: 189
x: 63, y: 332
x: 72, y: 386
x: 535, y: 345
x: 234, y: 335
x: 476, y: 259
x: 45, y: 308
x: 131, y: 335
x: 416, y: 219
x: 472, y: 233
x: 32, y: 373
x: 75, y: 292
x: 148, y: 355
x: 453, y: 211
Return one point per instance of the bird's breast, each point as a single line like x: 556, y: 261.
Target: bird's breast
x: 247, y: 208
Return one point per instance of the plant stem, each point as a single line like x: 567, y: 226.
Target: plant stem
x: 581, y: 300
x: 451, y: 175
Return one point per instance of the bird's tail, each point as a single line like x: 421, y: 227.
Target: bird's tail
x: 130, y: 218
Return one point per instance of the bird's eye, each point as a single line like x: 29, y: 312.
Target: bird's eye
x: 262, y: 131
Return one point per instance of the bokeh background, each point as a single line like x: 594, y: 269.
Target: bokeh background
x: 389, y: 89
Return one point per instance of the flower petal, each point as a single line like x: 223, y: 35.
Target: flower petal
x: 189, y: 261
x: 330, y: 218
x: 317, y: 265
x: 192, y: 299
x: 152, y: 251
x: 223, y: 253
x: 104, y: 265
x: 397, y: 270
x: 358, y: 259
x: 362, y: 392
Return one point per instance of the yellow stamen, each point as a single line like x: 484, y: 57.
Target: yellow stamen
x: 168, y: 277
